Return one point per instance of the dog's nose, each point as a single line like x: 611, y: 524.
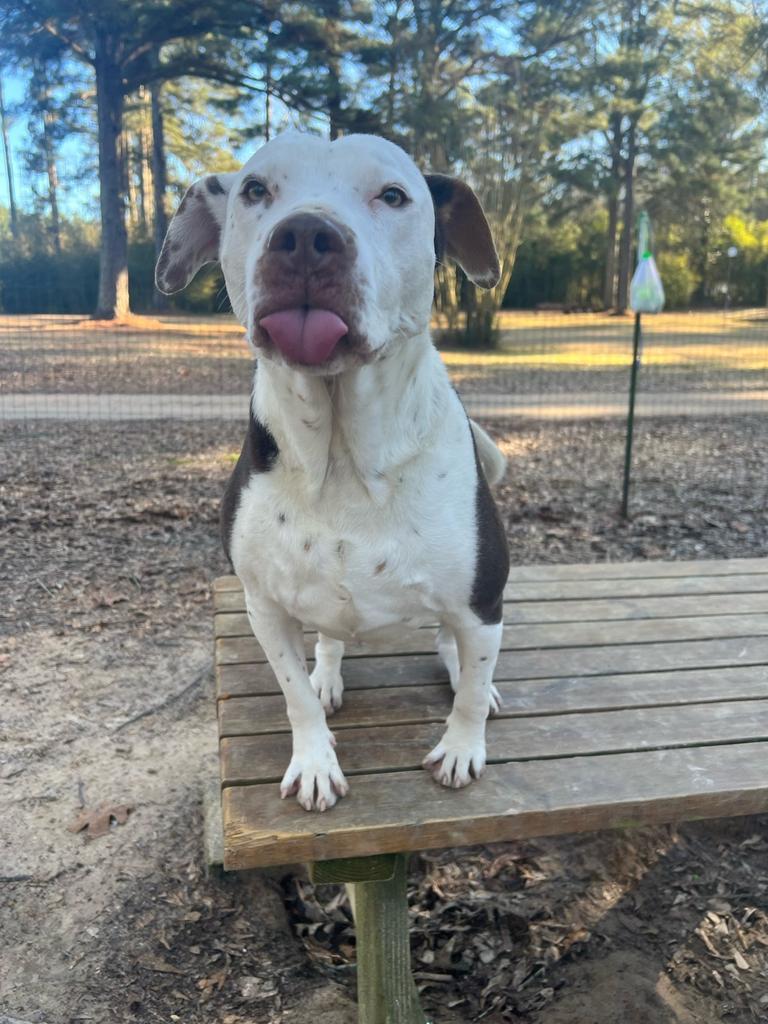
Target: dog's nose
x: 305, y: 239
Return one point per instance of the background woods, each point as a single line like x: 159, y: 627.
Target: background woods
x: 567, y: 118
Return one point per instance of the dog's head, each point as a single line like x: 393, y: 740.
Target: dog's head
x: 328, y: 248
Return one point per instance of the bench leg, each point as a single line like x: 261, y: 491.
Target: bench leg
x: 386, y: 992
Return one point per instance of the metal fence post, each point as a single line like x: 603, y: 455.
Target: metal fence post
x: 636, y: 355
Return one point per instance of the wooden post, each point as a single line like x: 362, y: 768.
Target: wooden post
x: 386, y: 992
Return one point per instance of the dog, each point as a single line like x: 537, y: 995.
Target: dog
x: 360, y: 502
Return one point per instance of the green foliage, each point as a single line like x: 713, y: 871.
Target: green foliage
x: 678, y: 279
x: 554, y: 112
x: 44, y: 283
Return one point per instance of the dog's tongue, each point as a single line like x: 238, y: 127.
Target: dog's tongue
x: 305, y: 336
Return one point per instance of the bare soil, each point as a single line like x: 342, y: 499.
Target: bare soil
x: 109, y: 538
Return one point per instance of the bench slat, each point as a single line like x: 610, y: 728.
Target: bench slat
x: 409, y: 811
x: 253, y: 759
x: 232, y: 650
x: 607, y: 570
x: 572, y: 662
x: 232, y: 599
x: 251, y: 716
x: 640, y: 569
x: 232, y: 624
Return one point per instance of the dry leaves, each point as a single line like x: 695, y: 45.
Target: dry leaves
x: 492, y: 929
x: 97, y: 821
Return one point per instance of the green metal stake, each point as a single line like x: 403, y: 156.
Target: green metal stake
x: 636, y: 355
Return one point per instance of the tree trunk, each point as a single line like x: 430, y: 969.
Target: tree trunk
x: 334, y: 100
x: 268, y: 100
x: 113, y: 301
x: 625, y: 255
x: 8, y: 169
x: 53, y: 181
x: 159, y: 184
x: 609, y: 281
x: 141, y: 165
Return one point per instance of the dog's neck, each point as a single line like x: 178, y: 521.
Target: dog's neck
x: 370, y: 419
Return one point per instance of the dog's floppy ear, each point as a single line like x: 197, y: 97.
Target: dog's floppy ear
x: 194, y: 232
x: 461, y: 230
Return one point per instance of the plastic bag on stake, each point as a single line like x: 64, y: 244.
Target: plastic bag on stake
x: 646, y: 292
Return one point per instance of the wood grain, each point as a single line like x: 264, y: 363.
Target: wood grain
x: 233, y: 600
x: 640, y: 569
x: 570, y: 662
x: 252, y: 716
x: 242, y: 649
x: 254, y: 759
x: 409, y: 811
x: 231, y: 624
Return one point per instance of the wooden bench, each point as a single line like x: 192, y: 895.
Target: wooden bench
x: 634, y: 693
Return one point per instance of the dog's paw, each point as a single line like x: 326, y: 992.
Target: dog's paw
x: 329, y: 687
x: 458, y: 758
x: 315, y: 777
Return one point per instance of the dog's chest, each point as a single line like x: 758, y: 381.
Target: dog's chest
x: 350, y: 567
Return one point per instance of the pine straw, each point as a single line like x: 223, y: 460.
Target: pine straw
x: 494, y: 929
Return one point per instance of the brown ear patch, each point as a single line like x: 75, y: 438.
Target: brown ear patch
x: 461, y: 230
x: 193, y: 234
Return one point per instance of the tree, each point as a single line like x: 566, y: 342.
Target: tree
x: 119, y: 40
x: 14, y: 217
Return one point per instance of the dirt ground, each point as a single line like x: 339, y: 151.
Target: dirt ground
x: 109, y: 543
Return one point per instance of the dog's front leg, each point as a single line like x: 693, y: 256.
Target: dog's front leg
x: 326, y: 676
x: 313, y: 773
x: 460, y: 755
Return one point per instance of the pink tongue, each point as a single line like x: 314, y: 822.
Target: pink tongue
x: 305, y: 336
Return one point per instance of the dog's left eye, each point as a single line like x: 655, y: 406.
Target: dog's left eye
x: 394, y: 196
x: 254, y: 190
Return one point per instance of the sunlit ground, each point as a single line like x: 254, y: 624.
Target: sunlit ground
x: 538, y: 352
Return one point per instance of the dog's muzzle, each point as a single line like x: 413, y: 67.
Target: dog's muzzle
x: 305, y: 272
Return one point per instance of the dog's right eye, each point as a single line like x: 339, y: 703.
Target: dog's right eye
x: 254, y: 190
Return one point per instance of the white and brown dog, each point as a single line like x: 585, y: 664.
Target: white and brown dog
x: 360, y: 501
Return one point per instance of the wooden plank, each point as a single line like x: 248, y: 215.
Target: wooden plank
x: 569, y: 662
x: 213, y: 831
x: 222, y: 583
x: 640, y: 569
x: 255, y: 759
x: 410, y: 811
x: 229, y: 624
x: 651, y: 587
x: 252, y: 716
x: 238, y: 650
x: 233, y: 600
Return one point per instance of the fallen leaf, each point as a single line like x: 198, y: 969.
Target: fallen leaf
x: 154, y: 963
x: 97, y: 821
x: 739, y: 960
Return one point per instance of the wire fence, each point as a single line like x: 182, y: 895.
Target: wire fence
x: 704, y: 381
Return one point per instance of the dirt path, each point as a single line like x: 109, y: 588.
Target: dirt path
x: 93, y: 928
x: 544, y: 406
